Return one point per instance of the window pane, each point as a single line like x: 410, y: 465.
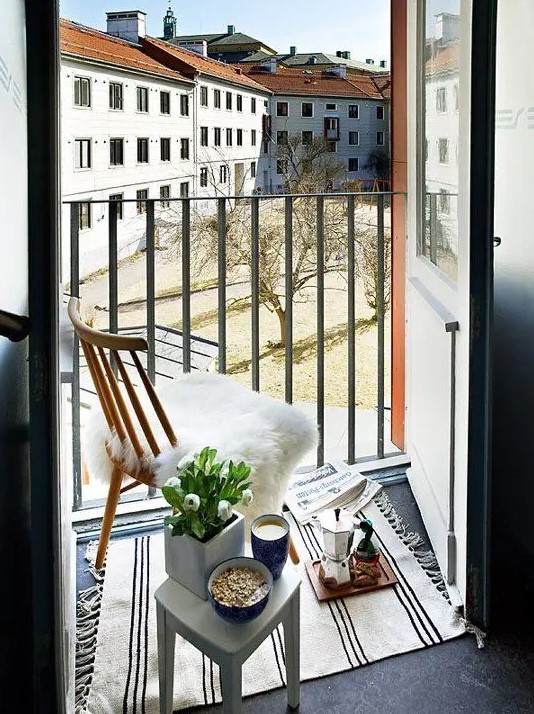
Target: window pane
x: 438, y: 239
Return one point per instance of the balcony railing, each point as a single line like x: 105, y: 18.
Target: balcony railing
x: 315, y: 251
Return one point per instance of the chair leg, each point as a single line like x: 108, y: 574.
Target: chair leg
x: 109, y: 514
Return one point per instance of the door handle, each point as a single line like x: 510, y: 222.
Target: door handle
x: 14, y: 327
x: 496, y: 241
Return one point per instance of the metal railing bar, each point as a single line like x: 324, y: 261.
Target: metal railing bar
x: 113, y: 274
x: 433, y: 228
x: 351, y: 336
x: 254, y: 197
x: 75, y: 394
x: 255, y: 287
x: 380, y: 326
x: 221, y: 283
x: 151, y: 291
x: 288, y: 208
x: 186, y: 284
x: 320, y: 328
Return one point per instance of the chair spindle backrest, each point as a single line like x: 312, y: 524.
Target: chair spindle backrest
x: 94, y: 345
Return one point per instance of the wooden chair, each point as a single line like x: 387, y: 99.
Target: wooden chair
x: 116, y: 412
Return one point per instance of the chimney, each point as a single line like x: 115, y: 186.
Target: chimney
x: 129, y: 25
x: 339, y: 53
x: 292, y: 50
x: 369, y: 61
x: 346, y: 54
x: 383, y: 64
x: 343, y: 54
x: 200, y: 46
x: 312, y: 60
x: 231, y: 30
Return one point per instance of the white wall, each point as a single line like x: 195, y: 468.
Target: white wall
x: 513, y: 343
x: 100, y: 124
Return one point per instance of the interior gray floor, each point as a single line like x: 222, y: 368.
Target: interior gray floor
x: 453, y: 677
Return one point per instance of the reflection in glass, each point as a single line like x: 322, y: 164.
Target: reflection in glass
x: 439, y: 240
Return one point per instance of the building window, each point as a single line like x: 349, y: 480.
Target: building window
x: 115, y: 96
x: 253, y: 137
x: 142, y: 151
x: 223, y: 174
x: 85, y: 215
x: 331, y: 146
x: 380, y: 112
x: 253, y: 105
x: 354, y: 138
x: 217, y: 98
x: 142, y: 99
x: 441, y: 99
x: 228, y: 100
x: 184, y: 148
x: 281, y: 137
x: 354, y: 164
x: 82, y: 92
x: 165, y: 149
x: 217, y: 136
x: 281, y: 166
x: 331, y: 107
x: 354, y: 111
x: 164, y: 195
x: 184, y: 189
x: 116, y: 152
x: 239, y: 102
x: 307, y: 138
x: 331, y: 128
x: 203, y: 136
x: 184, y: 105
x: 119, y: 209
x: 165, y: 102
x: 141, y: 196
x: 282, y: 109
x: 203, y: 96
x: 443, y: 148
x: 239, y: 138
x: 253, y: 169
x: 203, y: 177
x: 228, y: 137
x: 82, y: 154
x: 380, y: 138
x: 307, y: 109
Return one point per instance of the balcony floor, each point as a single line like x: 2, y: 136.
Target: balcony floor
x: 452, y: 677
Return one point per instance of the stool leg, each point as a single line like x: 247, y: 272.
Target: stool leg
x: 292, y: 648
x: 231, y: 685
x: 166, y: 643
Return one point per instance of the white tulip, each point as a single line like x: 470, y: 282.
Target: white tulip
x: 247, y: 497
x: 186, y: 460
x: 191, y: 502
x: 174, y: 482
x: 224, y: 510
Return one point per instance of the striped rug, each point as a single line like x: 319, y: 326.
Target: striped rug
x: 117, y: 655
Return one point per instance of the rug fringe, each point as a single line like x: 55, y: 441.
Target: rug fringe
x: 458, y: 618
x: 413, y: 541
x: 88, y: 609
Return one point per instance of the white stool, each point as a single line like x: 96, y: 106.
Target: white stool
x: 180, y: 611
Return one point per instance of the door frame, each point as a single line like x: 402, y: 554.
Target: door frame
x: 483, y: 73
x: 42, y: 42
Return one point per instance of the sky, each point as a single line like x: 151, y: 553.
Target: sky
x: 311, y: 25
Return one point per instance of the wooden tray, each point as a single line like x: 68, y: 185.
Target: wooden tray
x: 324, y: 593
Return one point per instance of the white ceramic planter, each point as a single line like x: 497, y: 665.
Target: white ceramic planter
x: 190, y: 562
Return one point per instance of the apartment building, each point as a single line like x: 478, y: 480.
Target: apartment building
x: 350, y: 113
x: 143, y: 119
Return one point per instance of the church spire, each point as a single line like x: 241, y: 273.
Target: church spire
x: 169, y: 24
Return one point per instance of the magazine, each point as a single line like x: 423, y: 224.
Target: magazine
x: 332, y: 485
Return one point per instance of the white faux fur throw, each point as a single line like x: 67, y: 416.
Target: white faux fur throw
x: 214, y: 410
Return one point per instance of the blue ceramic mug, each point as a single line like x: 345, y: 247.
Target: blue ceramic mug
x: 269, y: 537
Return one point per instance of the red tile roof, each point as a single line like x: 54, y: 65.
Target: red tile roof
x: 309, y: 82
x: 86, y: 42
x: 192, y: 63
